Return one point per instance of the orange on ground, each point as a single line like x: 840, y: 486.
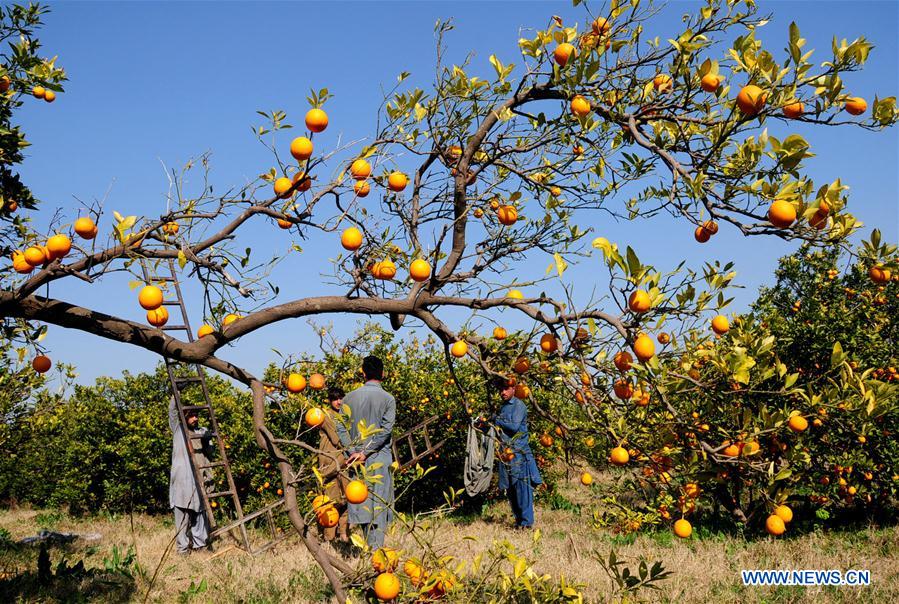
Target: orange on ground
x: 580, y: 106
x: 619, y: 456
x: 316, y: 381
x: 622, y: 360
x: 59, y: 245
x: 387, y: 587
x: 548, y: 343
x: 563, y: 53
x: 459, y: 349
x: 205, y: 330
x: 856, y: 105
x: 720, y: 325
x: 351, y: 239
x: 638, y: 301
x: 798, y: 423
x: 41, y: 363
x: 158, y: 317
x: 586, y: 479
x: 316, y: 120
x: 301, y: 148
x: 751, y: 99
x: 397, y: 181
x: 644, y: 347
x: 781, y: 213
x: 150, y: 297
x: 281, y: 186
x: 500, y: 333
x: 507, y: 215
x: 775, y: 525
x: 295, y: 383
x: 315, y: 417
x: 356, y: 491
x: 419, y: 270
x: 683, y: 528
x: 361, y: 188
x: 85, y: 228
x: 360, y: 169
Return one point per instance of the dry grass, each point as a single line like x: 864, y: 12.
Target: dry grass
x: 704, y: 569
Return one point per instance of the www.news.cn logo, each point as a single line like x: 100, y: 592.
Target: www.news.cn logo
x: 806, y: 577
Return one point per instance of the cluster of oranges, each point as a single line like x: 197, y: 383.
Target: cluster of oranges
x: 387, y: 585
x: 39, y: 92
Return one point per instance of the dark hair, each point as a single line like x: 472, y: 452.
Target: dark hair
x: 499, y: 382
x: 373, y: 368
x: 335, y: 393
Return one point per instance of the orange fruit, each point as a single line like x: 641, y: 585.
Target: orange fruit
x: 522, y: 365
x: 619, y: 456
x: 397, y: 181
x: 356, y: 491
x: 793, y: 109
x: 710, y: 82
x: 41, y: 363
x: 731, y: 450
x: 563, y: 53
x: 877, y: 274
x: 663, y: 82
x: 507, y: 215
x: 751, y: 99
x: 701, y: 234
x: 515, y: 294
x: 315, y: 417
x: 34, y: 256
x: 20, y: 264
x: 415, y: 572
x: 586, y: 479
x: 692, y: 490
x: 683, y: 528
x: 295, y: 383
x: 784, y: 513
x: 601, y: 26
x: 546, y: 440
x: 644, y: 348
x: 284, y: 224
x: 580, y: 106
x: 499, y: 333
x: 229, y: 319
x: 419, y: 270
x: 328, y: 516
x: 548, y: 343
x: 459, y: 349
x: 781, y: 214
x: 4, y: 83
x: 304, y: 180
x: 85, y: 228
x: 623, y: 389
x: 385, y: 269
x: 385, y: 560
x: 798, y: 423
x: 663, y: 338
x: 316, y: 381
x: 387, y: 587
x: 38, y: 92
x: 150, y: 297
x: 818, y: 220
x: 360, y: 169
x: 170, y: 228
x: 158, y: 317
x: 720, y: 325
x: 59, y: 245
x: 361, y: 188
x: 623, y: 360
x: 49, y: 96
x: 205, y: 330
x: 775, y: 525
x: 301, y: 148
x: 282, y: 186
x: 711, y: 226
x: 577, y: 150
x: 856, y: 105
x: 351, y: 239
x: 320, y: 502
x: 522, y: 391
x: 316, y: 120
x: 638, y: 301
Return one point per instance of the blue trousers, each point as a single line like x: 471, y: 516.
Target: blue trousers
x: 521, y: 497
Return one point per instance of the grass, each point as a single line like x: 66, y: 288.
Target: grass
x: 704, y: 569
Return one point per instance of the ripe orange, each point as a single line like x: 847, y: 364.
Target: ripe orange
x: 856, y: 105
x: 301, y: 148
x: 775, y: 525
x: 877, y: 274
x: 784, y: 513
x: 304, y: 180
x: 229, y: 319
x: 663, y: 338
x: 20, y: 264
x: 387, y: 587
x: 351, y: 239
x: 507, y: 215
x: 586, y: 479
x: 639, y: 301
x: 522, y: 391
x: 385, y: 559
x: 282, y: 186
x: 397, y: 181
x: 701, y: 234
x: 459, y: 349
x: 577, y: 150
x: 751, y: 99
x: 85, y: 228
x: 818, y: 220
x: 499, y: 333
x: 623, y: 360
x: 419, y: 270
x: 361, y: 188
x: 205, y: 330
x: 170, y: 228
x: 295, y: 383
x: 663, y: 82
x: 601, y: 26
x: 150, y: 297
x: 315, y: 417
x: 316, y: 120
x: 711, y: 226
x: 563, y: 53
x: 34, y: 256
x: 683, y: 528
x: 720, y: 325
x: 356, y: 491
x: 589, y: 441
x: 546, y: 440
x: 320, y: 502
x: 158, y: 317
x: 623, y: 389
x: 415, y: 572
x: 284, y: 224
x: 316, y: 381
x: 692, y: 490
x: 781, y: 214
x: 59, y: 245
x: 455, y: 151
x: 38, y: 92
x: 548, y: 343
x: 580, y: 106
x: 794, y: 109
x: 641, y: 398
x: 619, y: 456
x: 732, y: 450
x: 360, y: 169
x: 710, y: 82
x: 49, y: 96
x: 41, y: 363
x: 385, y: 269
x: 644, y: 347
x: 798, y: 423
x: 4, y: 83
x: 328, y: 516
x: 522, y: 365
x: 11, y: 206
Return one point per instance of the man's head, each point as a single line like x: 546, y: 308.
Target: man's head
x: 193, y: 420
x: 335, y: 397
x: 373, y: 368
x: 503, y: 386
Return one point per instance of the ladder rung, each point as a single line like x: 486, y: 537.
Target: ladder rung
x: 171, y: 303
x: 209, y: 435
x: 219, y: 494
x: 194, y: 407
x: 214, y: 464
x: 188, y: 380
x: 174, y: 328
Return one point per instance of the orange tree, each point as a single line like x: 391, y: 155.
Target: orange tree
x: 476, y: 176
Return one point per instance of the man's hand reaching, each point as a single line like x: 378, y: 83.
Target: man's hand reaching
x: 355, y: 458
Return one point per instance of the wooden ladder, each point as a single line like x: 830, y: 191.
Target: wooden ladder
x: 408, y: 437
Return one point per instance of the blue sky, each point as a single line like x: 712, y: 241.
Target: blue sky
x: 155, y: 84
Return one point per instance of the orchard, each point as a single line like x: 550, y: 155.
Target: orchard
x: 670, y: 411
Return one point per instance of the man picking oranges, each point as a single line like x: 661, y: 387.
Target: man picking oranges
x: 332, y: 459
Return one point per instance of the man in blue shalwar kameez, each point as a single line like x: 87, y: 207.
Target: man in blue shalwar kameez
x: 518, y: 476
